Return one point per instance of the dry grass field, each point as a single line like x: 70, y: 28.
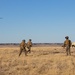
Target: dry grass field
x: 41, y: 61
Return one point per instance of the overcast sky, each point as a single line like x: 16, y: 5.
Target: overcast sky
x: 43, y: 21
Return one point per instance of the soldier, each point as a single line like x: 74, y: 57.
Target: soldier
x: 22, y: 47
x: 67, y: 44
x: 29, y: 45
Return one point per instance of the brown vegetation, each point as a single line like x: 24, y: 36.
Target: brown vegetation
x: 41, y: 61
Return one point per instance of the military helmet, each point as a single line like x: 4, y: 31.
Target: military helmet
x: 30, y: 40
x: 23, y: 40
x: 66, y: 37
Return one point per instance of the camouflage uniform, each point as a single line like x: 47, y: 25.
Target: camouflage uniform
x: 29, y: 45
x: 22, y: 47
x: 67, y: 44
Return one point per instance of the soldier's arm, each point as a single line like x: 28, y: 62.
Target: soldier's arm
x: 25, y: 44
x: 31, y: 44
x: 70, y: 43
x: 63, y: 44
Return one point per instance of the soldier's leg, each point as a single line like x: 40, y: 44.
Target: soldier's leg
x: 28, y: 49
x: 69, y: 51
x: 25, y: 52
x: 66, y: 51
x: 20, y: 51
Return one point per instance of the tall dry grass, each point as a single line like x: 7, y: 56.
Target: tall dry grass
x: 41, y: 61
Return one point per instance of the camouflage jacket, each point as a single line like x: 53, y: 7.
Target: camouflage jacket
x: 67, y: 42
x: 29, y: 44
x: 22, y: 45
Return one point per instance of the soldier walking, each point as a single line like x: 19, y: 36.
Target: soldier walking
x: 29, y: 45
x: 67, y: 44
x: 22, y: 48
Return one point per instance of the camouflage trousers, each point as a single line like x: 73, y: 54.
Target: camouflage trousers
x: 68, y: 52
x: 29, y: 49
x: 23, y: 50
